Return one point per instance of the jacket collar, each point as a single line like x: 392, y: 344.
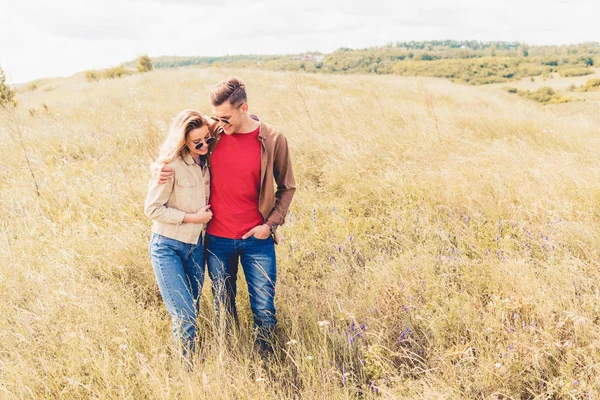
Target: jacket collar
x: 261, y: 134
x: 188, y: 159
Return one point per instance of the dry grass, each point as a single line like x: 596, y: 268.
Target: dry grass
x: 448, y: 234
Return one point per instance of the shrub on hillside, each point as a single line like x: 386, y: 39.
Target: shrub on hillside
x: 591, y: 85
x: 545, y: 95
x: 92, y: 76
x: 144, y: 64
x: 551, y: 62
x: 532, y: 70
x: 116, y: 72
x: 587, y: 60
x: 576, y: 71
x: 7, y: 93
x: 486, y: 80
x: 109, y: 73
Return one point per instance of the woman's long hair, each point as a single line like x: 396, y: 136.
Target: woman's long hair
x: 175, y: 144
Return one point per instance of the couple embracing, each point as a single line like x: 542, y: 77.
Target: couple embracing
x: 215, y: 202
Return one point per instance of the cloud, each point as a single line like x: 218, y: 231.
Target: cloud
x: 112, y: 19
x: 71, y: 35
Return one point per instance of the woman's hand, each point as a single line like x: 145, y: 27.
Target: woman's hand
x: 202, y: 216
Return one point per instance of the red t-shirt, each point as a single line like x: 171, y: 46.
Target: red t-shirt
x: 235, y: 185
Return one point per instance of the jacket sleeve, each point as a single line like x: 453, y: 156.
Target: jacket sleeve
x: 155, y: 206
x: 284, y: 177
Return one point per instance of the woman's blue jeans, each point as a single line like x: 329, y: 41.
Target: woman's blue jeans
x: 179, y: 271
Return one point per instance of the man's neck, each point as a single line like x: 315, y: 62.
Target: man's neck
x: 249, y: 125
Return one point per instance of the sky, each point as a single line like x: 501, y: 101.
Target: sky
x: 41, y: 38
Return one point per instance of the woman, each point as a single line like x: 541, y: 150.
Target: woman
x: 180, y: 211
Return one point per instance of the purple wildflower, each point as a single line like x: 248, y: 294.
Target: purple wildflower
x: 374, y: 387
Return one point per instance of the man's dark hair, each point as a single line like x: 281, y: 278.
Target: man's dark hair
x: 231, y: 89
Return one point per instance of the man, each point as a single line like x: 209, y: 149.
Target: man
x: 245, y: 162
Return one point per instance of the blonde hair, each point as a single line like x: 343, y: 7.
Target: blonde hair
x: 175, y: 144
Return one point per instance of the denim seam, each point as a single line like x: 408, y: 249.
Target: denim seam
x: 190, y: 251
x: 162, y: 274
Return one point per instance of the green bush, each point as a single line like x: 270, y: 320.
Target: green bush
x: 144, y: 64
x: 576, y: 71
x: 552, y: 62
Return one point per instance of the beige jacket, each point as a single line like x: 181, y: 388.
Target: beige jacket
x: 186, y: 192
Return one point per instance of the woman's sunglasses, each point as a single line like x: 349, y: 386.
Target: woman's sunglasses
x: 208, y: 141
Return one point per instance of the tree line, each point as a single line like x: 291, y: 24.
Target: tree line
x: 469, y: 61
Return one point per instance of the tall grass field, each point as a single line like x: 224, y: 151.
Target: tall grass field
x: 443, y: 243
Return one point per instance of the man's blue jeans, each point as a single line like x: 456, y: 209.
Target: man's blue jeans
x: 179, y: 271
x: 258, y: 262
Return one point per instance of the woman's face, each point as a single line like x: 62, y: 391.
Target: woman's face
x: 196, y: 137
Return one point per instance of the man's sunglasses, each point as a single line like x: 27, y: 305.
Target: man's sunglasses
x: 209, y: 140
x: 226, y: 120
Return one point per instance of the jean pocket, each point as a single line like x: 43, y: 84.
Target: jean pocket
x: 167, y: 242
x: 261, y: 240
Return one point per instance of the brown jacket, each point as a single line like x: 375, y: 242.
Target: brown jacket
x: 275, y: 166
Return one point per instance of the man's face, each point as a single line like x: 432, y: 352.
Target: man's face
x: 229, y: 116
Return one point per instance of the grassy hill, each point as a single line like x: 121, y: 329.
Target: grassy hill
x: 443, y: 243
x: 468, y: 61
